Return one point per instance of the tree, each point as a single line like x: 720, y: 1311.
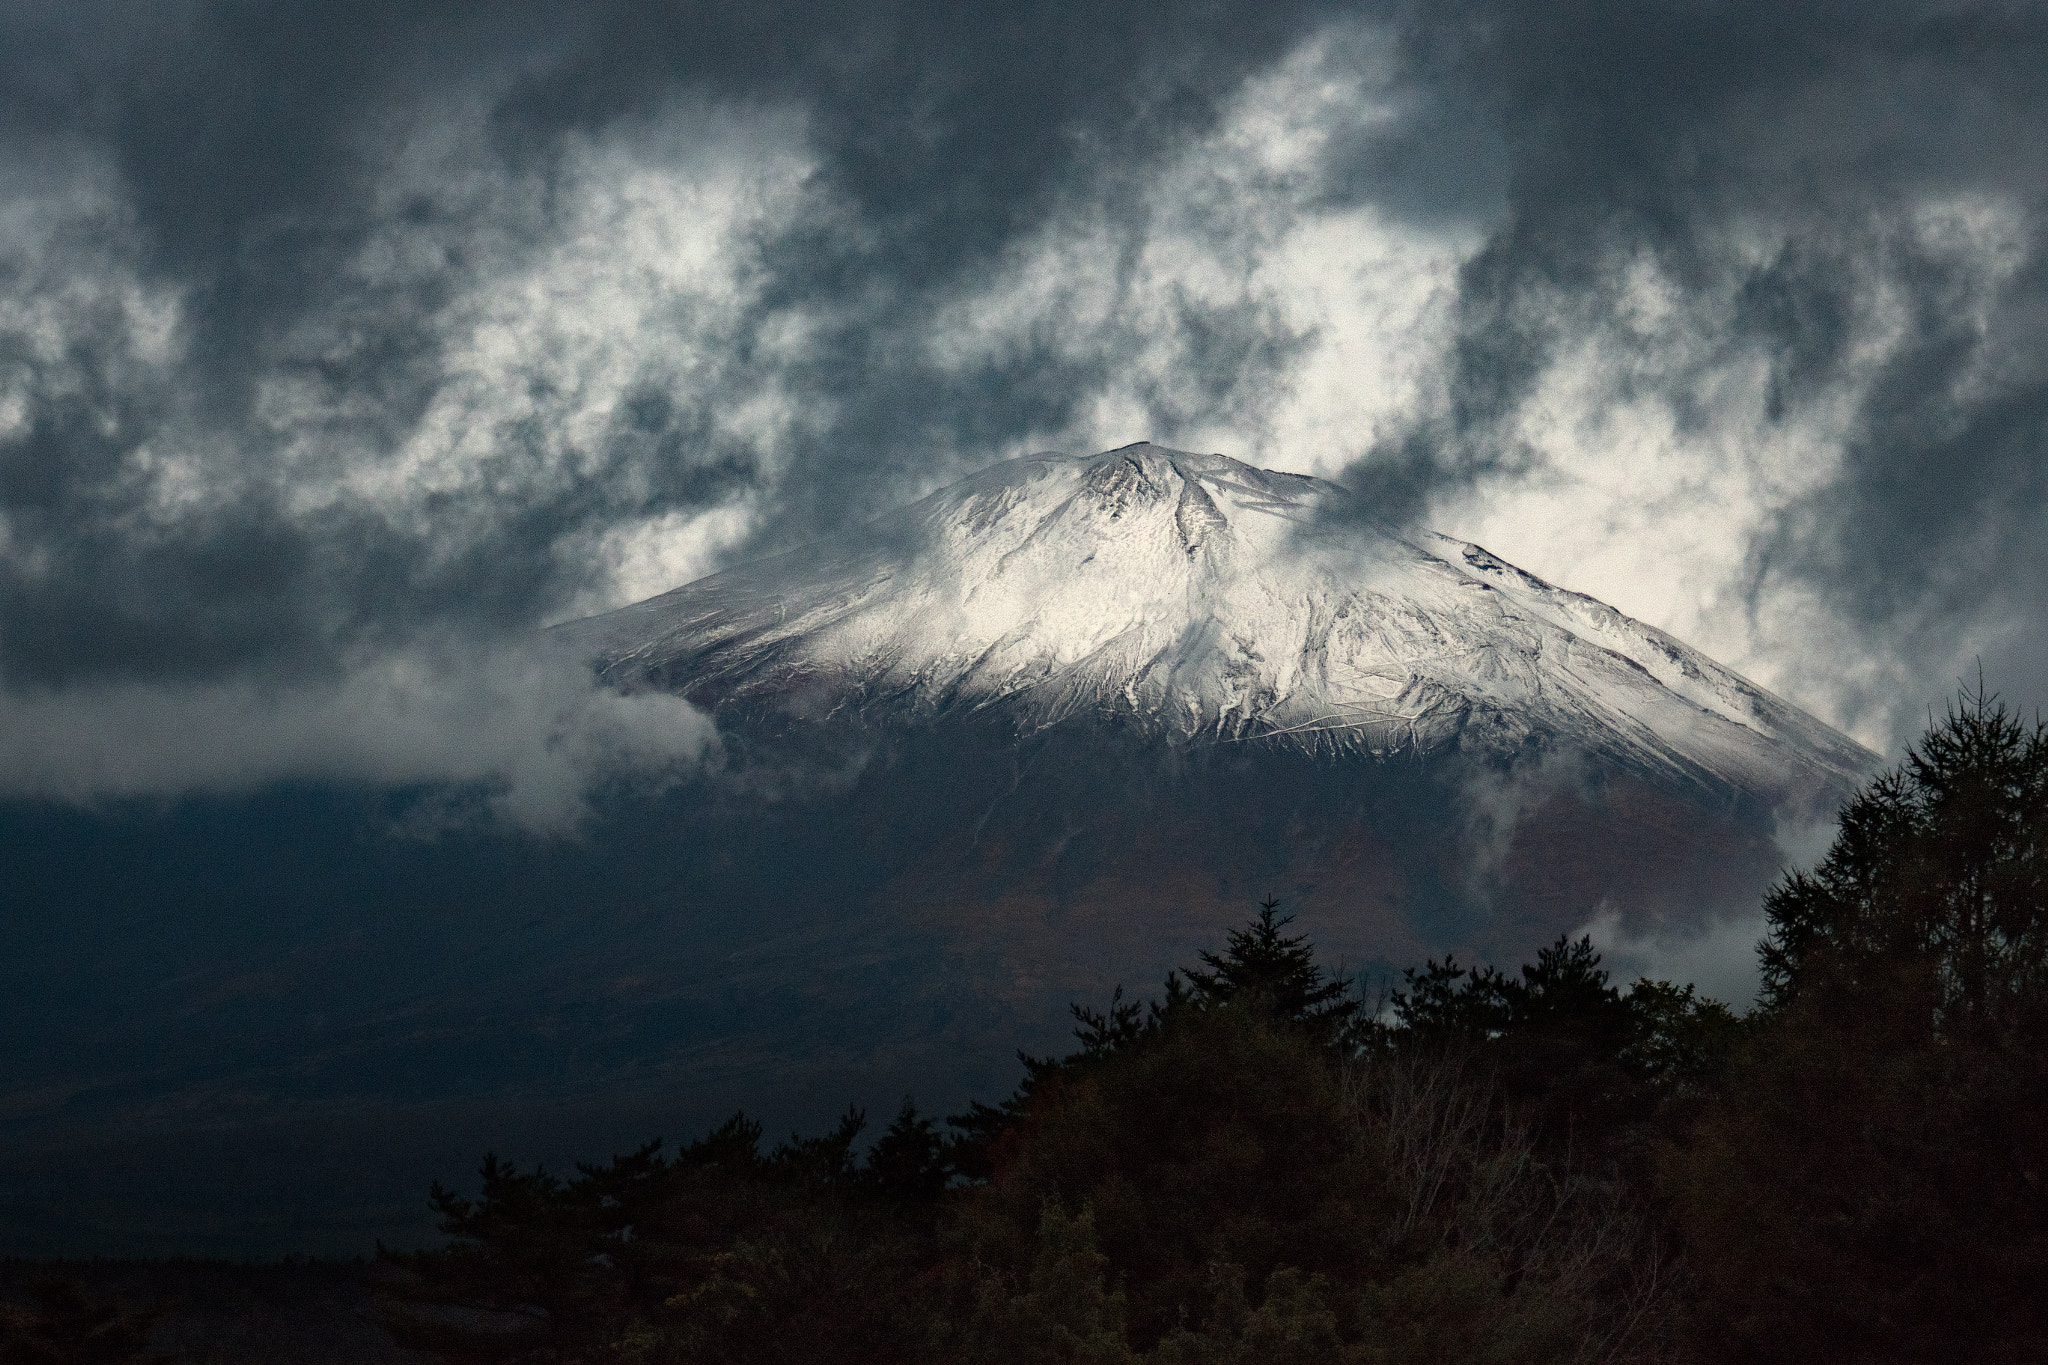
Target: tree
x: 1936, y: 889
x: 1220, y: 1177
x: 714, y: 1253
x: 1564, y: 992
x: 1868, y: 1185
x: 1261, y: 970
x: 1277, y: 974
x: 1586, y: 1063
x: 908, y: 1162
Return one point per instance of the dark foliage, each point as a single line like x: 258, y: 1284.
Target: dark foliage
x: 61, y: 1326
x: 716, y: 1252
x: 1869, y: 1186
x: 1528, y: 1166
x: 1262, y: 971
x: 1275, y: 975
x: 1587, y: 1064
x: 1240, y: 1170
x: 1934, y: 897
x: 1256, y: 1197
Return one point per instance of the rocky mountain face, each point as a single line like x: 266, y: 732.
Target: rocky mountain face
x: 1197, y: 600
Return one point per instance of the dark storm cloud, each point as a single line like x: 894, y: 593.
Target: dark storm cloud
x: 951, y: 132
x: 1815, y: 183
x: 293, y: 373
x: 246, y: 142
x: 1932, y: 536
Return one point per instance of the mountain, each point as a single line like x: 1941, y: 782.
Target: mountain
x: 1200, y: 600
x: 1053, y: 729
x: 1065, y: 720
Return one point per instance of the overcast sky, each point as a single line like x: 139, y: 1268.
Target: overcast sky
x: 343, y: 344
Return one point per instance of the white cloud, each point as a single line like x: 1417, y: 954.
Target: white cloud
x: 546, y: 298
x: 80, y: 324
x: 646, y: 557
x: 1663, y: 464
x: 626, y: 272
x: 525, y: 729
x: 1719, y: 956
x: 547, y: 315
x: 1232, y: 233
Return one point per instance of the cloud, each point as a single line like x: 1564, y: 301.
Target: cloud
x: 446, y: 327
x: 329, y: 336
x: 1716, y: 949
x: 525, y: 735
x: 1718, y: 956
x: 319, y: 355
x: 1753, y: 348
x: 1218, y: 299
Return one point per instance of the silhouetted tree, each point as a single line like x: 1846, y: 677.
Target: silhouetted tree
x: 908, y: 1162
x: 1265, y: 969
x: 1868, y: 1183
x: 1586, y: 1063
x: 1261, y: 1186
x: 716, y: 1253
x: 1261, y: 969
x: 1935, y: 893
x: 1225, y: 1174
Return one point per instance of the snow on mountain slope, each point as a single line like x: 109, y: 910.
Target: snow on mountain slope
x: 1206, y: 599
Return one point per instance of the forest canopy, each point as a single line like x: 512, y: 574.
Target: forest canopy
x: 1525, y: 1165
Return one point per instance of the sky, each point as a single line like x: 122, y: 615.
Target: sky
x: 342, y: 346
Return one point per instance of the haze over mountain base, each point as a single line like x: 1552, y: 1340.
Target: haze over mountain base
x: 267, y: 1024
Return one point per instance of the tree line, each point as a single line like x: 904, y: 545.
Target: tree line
x: 1533, y: 1165
x: 1259, y: 1165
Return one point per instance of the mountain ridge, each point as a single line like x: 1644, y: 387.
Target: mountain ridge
x: 1206, y: 600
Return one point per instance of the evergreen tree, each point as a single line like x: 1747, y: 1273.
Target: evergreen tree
x: 1868, y: 1185
x: 1935, y: 893
x: 1215, y: 1178
x: 1276, y: 973
x: 1261, y: 970
x: 908, y: 1162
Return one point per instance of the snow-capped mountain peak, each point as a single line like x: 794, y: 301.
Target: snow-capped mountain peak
x: 1208, y: 600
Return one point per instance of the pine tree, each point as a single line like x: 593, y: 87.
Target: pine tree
x: 1867, y: 1185
x: 1936, y: 889
x: 1277, y: 973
